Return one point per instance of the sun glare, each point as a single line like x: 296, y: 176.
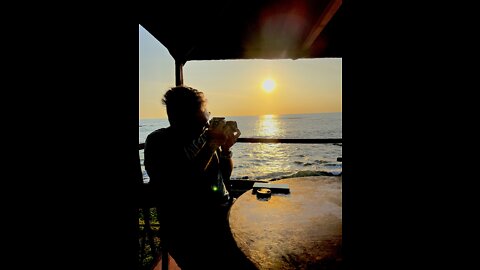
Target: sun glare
x: 268, y: 85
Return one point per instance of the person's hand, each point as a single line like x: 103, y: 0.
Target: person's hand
x: 232, y: 132
x: 216, y: 135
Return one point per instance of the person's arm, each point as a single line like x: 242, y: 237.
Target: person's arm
x: 226, y: 162
x: 200, y: 151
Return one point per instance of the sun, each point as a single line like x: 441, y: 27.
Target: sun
x: 268, y: 85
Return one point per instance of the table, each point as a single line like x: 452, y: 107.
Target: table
x: 300, y: 230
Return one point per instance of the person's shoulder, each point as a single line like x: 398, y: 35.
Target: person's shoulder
x: 158, y: 134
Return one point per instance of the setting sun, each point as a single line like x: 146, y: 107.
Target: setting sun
x: 268, y: 85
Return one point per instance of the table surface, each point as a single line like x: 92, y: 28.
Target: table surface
x: 300, y: 230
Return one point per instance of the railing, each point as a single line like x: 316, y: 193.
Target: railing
x: 270, y: 140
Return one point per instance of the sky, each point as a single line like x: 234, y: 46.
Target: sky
x: 237, y: 87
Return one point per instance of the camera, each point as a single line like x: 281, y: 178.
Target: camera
x: 215, y: 121
x: 230, y: 126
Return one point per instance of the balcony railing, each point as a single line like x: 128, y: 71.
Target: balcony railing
x: 273, y: 140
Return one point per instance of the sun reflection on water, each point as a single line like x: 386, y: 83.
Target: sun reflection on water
x: 268, y: 126
x: 269, y: 158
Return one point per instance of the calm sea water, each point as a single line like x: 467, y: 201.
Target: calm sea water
x: 261, y: 161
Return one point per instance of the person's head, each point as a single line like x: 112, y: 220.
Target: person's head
x: 186, y: 108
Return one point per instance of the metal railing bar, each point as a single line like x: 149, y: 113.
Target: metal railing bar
x: 273, y: 140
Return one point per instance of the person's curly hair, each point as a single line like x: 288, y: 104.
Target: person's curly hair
x: 182, y: 102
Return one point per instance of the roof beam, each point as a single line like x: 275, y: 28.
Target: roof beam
x: 323, y: 20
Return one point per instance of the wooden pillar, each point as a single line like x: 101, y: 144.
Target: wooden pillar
x: 178, y: 73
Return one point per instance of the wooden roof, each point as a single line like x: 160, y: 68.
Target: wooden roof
x: 249, y: 29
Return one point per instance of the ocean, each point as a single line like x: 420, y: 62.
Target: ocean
x: 264, y: 161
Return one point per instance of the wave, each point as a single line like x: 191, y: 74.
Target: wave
x: 309, y: 173
x: 321, y: 162
x: 282, y: 175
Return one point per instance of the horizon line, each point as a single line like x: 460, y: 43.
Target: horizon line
x: 166, y: 118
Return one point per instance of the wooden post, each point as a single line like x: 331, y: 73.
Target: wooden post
x: 163, y: 244
x: 178, y: 73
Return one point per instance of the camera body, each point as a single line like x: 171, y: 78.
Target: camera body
x: 230, y: 126
x: 215, y: 122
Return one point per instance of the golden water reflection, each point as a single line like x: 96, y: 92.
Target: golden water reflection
x: 268, y: 126
x: 269, y: 158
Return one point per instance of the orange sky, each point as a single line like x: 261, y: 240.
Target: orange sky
x: 234, y: 87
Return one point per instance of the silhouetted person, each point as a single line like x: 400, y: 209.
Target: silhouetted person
x: 189, y: 165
